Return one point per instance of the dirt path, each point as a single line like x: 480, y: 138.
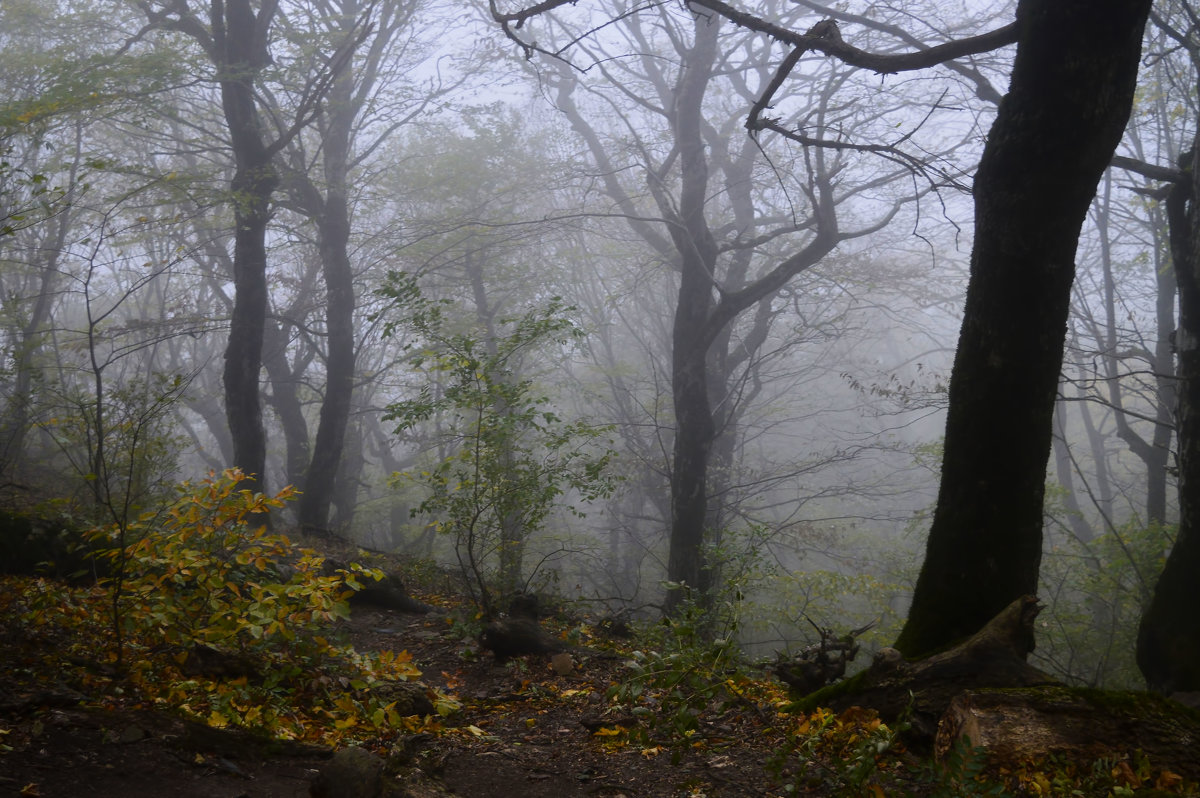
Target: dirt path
x: 519, y: 733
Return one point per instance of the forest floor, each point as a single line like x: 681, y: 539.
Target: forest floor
x: 523, y: 729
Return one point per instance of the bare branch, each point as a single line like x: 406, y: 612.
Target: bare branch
x: 878, y: 63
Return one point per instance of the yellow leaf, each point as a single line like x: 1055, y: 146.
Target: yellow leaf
x: 1124, y: 775
x: 217, y: 720
x: 606, y: 731
x: 1167, y: 780
x: 478, y: 732
x: 649, y: 753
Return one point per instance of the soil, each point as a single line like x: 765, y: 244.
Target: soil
x: 519, y: 733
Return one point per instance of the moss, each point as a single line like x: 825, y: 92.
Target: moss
x: 1132, y: 701
x: 1124, y: 702
x: 825, y: 695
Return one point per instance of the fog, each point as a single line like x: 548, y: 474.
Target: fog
x: 434, y: 186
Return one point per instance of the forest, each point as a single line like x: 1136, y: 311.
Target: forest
x: 410, y: 379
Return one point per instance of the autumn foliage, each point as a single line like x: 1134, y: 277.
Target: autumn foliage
x: 222, y: 621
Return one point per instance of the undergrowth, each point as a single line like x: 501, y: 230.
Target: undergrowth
x: 222, y: 621
x: 202, y: 576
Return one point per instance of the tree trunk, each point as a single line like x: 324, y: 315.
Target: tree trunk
x: 285, y: 400
x: 207, y: 405
x: 692, y: 333
x: 344, y: 500
x: 1055, y: 132
x: 510, y: 546
x: 333, y: 234
x: 1153, y: 452
x: 1064, y: 469
x: 17, y: 417
x: 243, y: 355
x: 1168, y: 643
x: 1164, y: 377
x: 239, y: 48
x: 700, y: 338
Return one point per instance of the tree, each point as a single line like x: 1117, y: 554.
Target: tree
x: 358, y: 99
x: 509, y: 456
x: 1168, y: 644
x: 1075, y: 71
x: 236, y: 42
x: 56, y: 92
x: 1068, y: 101
x: 733, y: 242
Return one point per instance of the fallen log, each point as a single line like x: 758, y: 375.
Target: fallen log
x: 921, y: 690
x: 983, y: 693
x: 1017, y: 726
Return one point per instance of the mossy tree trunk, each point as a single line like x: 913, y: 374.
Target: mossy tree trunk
x: 1055, y: 132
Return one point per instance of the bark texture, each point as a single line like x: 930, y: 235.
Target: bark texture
x: 691, y: 334
x: 1055, y: 132
x: 923, y: 689
x: 333, y: 240
x: 239, y: 50
x: 1028, y: 725
x: 1168, y: 644
x: 700, y: 361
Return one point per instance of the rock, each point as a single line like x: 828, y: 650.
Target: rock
x: 411, y: 698
x: 405, y: 749
x: 30, y: 545
x: 353, y: 773
x: 1188, y: 699
x: 213, y: 663
x: 562, y: 663
x: 389, y: 593
x: 414, y: 763
x: 515, y: 637
x: 616, y: 625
